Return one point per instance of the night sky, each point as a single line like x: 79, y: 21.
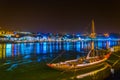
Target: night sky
x: 72, y: 16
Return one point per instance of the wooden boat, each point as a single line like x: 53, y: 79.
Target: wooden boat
x: 78, y: 63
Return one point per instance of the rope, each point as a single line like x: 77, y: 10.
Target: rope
x: 57, y: 57
x: 88, y: 55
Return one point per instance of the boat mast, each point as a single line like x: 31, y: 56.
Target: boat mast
x: 92, y: 35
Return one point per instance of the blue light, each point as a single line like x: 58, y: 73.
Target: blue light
x: 37, y: 48
x: 8, y: 50
x: 57, y: 47
x: 44, y: 47
x: 29, y: 48
x: 78, y: 46
x: 15, y: 49
x: 109, y: 38
x: 68, y: 46
x: 60, y: 46
x: 82, y: 44
x: 22, y: 48
x: 100, y: 44
x: 51, y: 47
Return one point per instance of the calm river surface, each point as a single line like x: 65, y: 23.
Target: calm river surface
x: 47, y: 50
x: 20, y: 54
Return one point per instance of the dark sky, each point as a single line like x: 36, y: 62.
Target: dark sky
x: 60, y: 15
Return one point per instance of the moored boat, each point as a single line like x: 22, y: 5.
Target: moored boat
x: 78, y: 63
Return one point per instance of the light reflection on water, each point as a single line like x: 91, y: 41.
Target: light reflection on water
x: 46, y: 51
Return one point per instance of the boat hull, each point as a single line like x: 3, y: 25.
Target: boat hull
x: 64, y: 66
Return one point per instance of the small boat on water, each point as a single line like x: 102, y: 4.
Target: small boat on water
x: 79, y: 63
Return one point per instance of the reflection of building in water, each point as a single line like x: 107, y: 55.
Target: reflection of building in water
x: 2, y: 51
x: 78, y: 47
x: 18, y: 50
x: 8, y: 50
x: 37, y: 48
x: 44, y: 47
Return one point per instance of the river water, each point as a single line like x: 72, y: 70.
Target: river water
x: 47, y: 50
x: 23, y: 53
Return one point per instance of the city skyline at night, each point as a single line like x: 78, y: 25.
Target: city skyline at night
x: 60, y: 16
